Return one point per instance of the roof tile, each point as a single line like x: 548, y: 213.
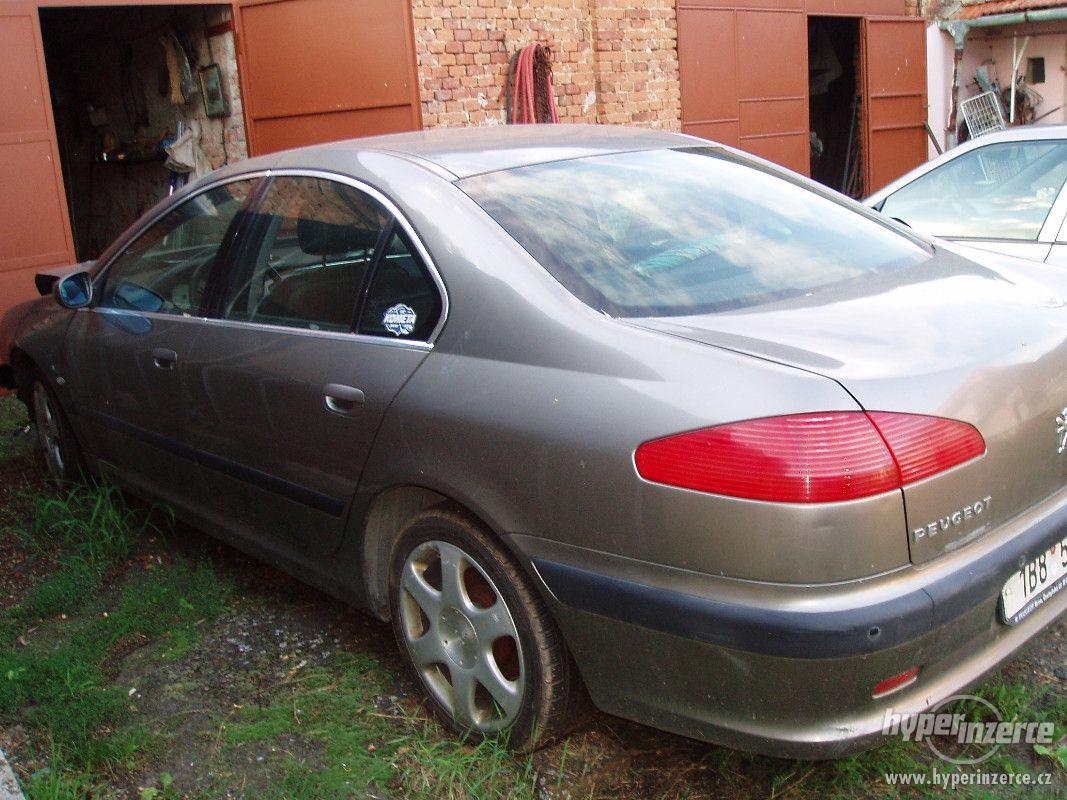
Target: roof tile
x: 985, y: 9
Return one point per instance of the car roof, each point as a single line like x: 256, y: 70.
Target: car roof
x: 463, y: 152
x: 1017, y: 132
x: 1021, y: 132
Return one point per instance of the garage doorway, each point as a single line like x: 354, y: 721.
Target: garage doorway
x: 126, y: 84
x: 835, y: 103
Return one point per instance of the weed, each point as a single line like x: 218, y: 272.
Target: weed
x: 61, y: 692
x: 165, y: 791
x: 1058, y: 755
x: 57, y: 783
x: 14, y: 440
x: 93, y: 526
x: 1013, y: 700
x: 337, y: 708
x: 852, y: 774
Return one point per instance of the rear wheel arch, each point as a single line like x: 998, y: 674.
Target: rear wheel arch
x: 389, y: 514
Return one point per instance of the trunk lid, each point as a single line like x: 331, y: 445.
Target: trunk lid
x: 985, y: 343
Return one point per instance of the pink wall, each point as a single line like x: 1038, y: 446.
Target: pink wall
x: 939, y: 63
x: 1047, y: 40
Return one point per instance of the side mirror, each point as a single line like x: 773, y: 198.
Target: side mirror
x: 74, y: 291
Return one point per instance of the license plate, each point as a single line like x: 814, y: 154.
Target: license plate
x: 1034, y: 583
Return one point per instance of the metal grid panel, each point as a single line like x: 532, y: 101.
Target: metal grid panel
x: 983, y: 114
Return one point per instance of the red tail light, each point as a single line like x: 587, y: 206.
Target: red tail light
x: 925, y: 446
x: 810, y: 458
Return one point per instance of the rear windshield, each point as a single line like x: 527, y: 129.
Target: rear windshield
x: 679, y: 232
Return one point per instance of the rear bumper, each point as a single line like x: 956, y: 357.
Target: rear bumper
x: 789, y: 670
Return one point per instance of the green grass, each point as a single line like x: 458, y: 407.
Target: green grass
x: 60, y: 689
x: 57, y: 783
x: 55, y: 681
x: 335, y: 708
x: 86, y: 531
x: 13, y: 418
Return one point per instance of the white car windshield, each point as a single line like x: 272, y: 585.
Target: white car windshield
x: 999, y: 191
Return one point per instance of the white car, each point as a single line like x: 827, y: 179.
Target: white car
x: 1001, y: 192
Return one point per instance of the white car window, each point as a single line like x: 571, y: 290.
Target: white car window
x: 1001, y: 191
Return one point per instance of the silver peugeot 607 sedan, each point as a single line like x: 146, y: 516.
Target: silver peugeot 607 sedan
x: 587, y: 413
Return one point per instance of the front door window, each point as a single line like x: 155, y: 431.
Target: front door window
x: 165, y: 270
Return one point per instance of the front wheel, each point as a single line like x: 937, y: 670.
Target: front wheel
x: 57, y: 449
x: 477, y: 636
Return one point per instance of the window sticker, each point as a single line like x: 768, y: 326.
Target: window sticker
x: 399, y: 320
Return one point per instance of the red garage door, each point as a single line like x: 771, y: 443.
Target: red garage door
x: 321, y: 70
x: 34, y: 227
x: 894, y: 56
x: 744, y: 78
x: 743, y: 69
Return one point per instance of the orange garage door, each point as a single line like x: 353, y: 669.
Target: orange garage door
x: 894, y: 97
x: 320, y: 70
x: 34, y: 227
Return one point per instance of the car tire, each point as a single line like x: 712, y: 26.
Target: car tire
x: 58, y: 452
x: 476, y: 635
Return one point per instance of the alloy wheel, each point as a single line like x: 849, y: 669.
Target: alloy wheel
x: 48, y: 432
x: 461, y: 636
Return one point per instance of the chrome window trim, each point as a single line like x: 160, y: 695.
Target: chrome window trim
x: 348, y: 336
x: 411, y: 344
x: 355, y: 183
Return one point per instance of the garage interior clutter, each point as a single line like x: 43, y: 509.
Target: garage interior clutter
x: 145, y: 98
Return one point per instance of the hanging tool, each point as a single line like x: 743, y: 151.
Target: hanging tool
x: 529, y: 94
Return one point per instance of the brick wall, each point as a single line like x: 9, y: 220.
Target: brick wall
x: 611, y: 63
x: 637, y: 63
x: 231, y: 127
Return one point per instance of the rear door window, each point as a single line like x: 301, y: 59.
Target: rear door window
x: 402, y: 301
x: 308, y: 254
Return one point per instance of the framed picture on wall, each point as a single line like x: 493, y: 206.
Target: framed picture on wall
x: 211, y: 90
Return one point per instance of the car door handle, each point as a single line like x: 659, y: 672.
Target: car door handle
x: 344, y: 400
x: 164, y: 358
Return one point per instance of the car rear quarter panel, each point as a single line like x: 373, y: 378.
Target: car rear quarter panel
x: 530, y: 406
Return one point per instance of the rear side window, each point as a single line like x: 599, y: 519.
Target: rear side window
x: 311, y: 244
x: 676, y: 232
x: 1000, y: 191
x: 165, y: 270
x: 402, y: 301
